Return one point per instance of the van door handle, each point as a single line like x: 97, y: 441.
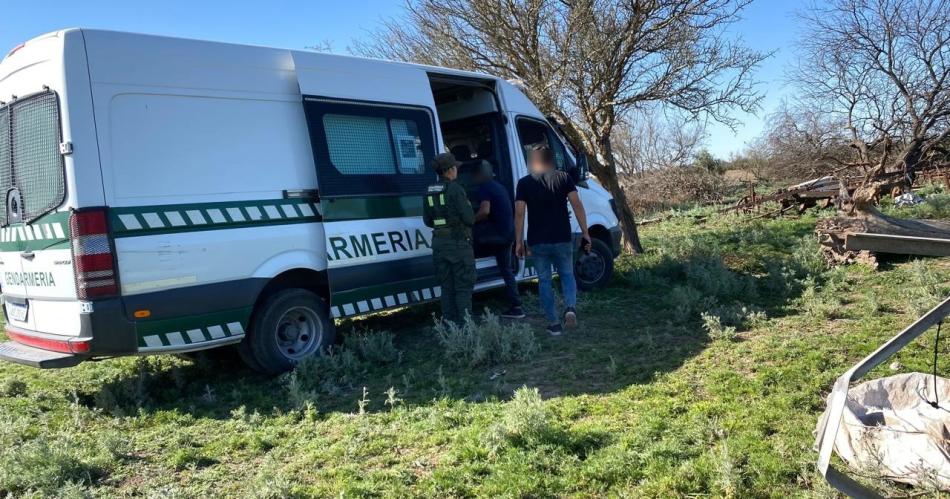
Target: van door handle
x: 27, y: 255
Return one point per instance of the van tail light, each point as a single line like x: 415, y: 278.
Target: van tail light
x: 71, y: 345
x: 93, y: 256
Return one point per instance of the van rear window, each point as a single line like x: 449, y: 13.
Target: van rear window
x: 30, y: 161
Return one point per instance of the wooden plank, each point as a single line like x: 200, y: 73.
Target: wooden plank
x: 902, y: 245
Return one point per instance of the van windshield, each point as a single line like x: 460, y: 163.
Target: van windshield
x: 32, y: 180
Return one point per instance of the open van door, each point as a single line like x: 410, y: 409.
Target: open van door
x: 373, y: 146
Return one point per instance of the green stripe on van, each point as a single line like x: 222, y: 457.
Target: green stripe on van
x: 50, y: 231
x: 166, y: 219
x: 192, y: 330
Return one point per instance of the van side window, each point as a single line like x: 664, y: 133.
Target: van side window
x: 531, y: 132
x: 408, y: 146
x: 359, y: 145
x: 370, y: 148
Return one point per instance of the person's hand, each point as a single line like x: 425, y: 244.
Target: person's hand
x: 519, y: 249
x: 586, y: 244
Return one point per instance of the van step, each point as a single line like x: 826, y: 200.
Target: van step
x: 43, y: 359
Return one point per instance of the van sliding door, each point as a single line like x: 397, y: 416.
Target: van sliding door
x: 373, y: 161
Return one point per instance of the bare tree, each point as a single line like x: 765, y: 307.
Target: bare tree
x: 589, y: 62
x: 655, y: 140
x: 801, y: 143
x: 880, y: 68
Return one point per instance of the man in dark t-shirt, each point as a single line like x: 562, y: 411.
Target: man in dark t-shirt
x: 545, y: 194
x: 495, y: 231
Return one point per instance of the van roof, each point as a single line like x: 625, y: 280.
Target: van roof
x: 157, y: 39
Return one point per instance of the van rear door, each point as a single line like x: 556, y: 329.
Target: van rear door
x: 38, y: 282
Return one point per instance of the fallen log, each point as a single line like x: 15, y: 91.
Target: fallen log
x: 856, y: 239
x: 901, y: 245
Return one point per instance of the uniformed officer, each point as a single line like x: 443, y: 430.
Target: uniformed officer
x: 447, y: 210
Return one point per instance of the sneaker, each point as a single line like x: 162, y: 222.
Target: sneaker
x: 570, y: 317
x: 555, y: 330
x: 513, y: 313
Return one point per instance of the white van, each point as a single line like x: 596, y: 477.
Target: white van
x: 162, y: 195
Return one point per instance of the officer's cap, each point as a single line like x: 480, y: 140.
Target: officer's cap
x: 443, y: 162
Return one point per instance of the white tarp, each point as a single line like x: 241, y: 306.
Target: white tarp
x: 890, y: 429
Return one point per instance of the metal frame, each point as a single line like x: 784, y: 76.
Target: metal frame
x: 831, y: 421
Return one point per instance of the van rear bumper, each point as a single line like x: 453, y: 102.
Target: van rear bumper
x: 104, y: 332
x: 12, y: 351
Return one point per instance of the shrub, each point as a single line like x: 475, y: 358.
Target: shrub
x: 779, y: 280
x: 12, y: 388
x: 713, y: 278
x: 332, y: 373
x: 716, y: 330
x: 485, y: 342
x: 684, y: 302
x: 48, y: 464
x: 340, y: 368
x: 270, y: 483
x: 806, y: 256
x: 373, y: 346
x: 925, y: 289
x: 739, y: 315
x: 815, y: 303
x: 526, y: 420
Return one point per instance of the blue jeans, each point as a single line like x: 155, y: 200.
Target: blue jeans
x: 560, y: 256
x: 502, y: 254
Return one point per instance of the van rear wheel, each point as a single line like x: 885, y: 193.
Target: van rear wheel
x: 289, y: 327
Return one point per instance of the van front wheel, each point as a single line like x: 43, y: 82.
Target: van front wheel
x: 593, y: 270
x: 291, y: 326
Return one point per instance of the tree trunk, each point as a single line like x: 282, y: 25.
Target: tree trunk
x: 606, y: 173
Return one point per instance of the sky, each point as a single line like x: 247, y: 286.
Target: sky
x: 767, y: 25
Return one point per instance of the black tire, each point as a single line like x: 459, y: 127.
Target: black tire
x: 594, y: 270
x: 289, y: 327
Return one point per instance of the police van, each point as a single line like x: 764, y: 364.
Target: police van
x: 163, y: 195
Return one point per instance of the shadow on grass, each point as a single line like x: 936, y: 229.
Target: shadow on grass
x: 646, y: 323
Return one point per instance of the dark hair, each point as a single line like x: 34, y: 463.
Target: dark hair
x: 541, y: 149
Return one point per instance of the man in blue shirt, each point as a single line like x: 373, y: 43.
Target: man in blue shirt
x: 495, y: 231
